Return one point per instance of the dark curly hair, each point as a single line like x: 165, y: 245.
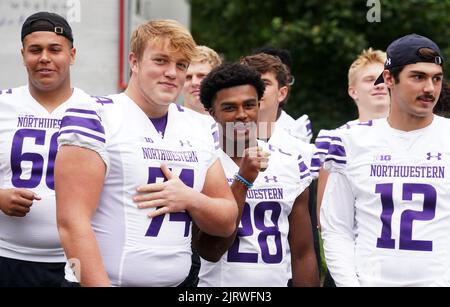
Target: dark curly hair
x: 229, y: 75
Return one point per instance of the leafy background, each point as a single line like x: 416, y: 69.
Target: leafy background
x: 324, y: 37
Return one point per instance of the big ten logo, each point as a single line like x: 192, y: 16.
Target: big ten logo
x: 75, y: 266
x: 374, y: 13
x: 73, y: 8
x: 383, y: 158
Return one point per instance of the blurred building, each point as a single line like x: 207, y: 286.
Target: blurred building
x: 101, y: 34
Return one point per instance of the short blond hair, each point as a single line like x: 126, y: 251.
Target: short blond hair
x: 157, y: 30
x: 366, y: 57
x: 206, y: 55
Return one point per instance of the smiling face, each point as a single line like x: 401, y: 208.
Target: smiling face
x: 158, y: 76
x: 47, y: 57
x: 372, y: 100
x: 235, y: 109
x: 417, y: 91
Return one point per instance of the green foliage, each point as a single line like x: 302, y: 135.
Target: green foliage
x: 323, y: 37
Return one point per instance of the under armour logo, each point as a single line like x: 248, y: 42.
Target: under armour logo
x: 430, y: 156
x: 388, y: 62
x: 187, y: 143
x: 274, y: 179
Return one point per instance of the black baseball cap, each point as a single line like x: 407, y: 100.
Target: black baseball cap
x: 49, y: 22
x: 405, y: 50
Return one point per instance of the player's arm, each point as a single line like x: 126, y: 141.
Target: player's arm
x: 337, y: 220
x: 79, y: 176
x: 17, y: 202
x: 323, y: 145
x: 305, y: 272
x: 321, y: 183
x: 210, y: 247
x: 213, y: 248
x: 214, y: 210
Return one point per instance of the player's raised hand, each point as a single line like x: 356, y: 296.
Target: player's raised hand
x: 17, y: 202
x: 169, y: 196
x: 254, y: 160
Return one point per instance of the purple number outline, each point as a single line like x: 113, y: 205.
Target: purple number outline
x: 407, y: 217
x: 17, y: 156
x: 260, y: 210
x: 102, y: 100
x: 247, y: 230
x: 187, y: 176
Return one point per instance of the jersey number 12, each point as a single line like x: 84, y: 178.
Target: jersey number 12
x: 407, y: 217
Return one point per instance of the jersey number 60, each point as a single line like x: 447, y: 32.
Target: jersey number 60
x: 37, y: 161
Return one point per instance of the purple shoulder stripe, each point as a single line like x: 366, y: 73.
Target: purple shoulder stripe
x: 336, y: 150
x: 336, y: 160
x: 82, y: 111
x: 88, y: 123
x: 85, y: 134
x: 315, y: 163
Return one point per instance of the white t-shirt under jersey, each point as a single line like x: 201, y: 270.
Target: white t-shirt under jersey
x: 136, y: 250
x: 28, y: 145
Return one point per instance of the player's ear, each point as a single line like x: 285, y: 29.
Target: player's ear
x: 388, y: 78
x: 352, y: 92
x: 22, y: 52
x: 133, y: 61
x: 282, y: 93
x: 73, y: 53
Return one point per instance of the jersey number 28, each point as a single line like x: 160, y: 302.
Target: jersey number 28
x: 234, y: 255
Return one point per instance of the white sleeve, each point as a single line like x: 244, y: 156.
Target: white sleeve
x: 321, y: 146
x: 337, y: 218
x: 215, y: 142
x: 305, y: 175
x: 335, y: 159
x: 82, y: 126
x: 306, y: 125
x: 329, y: 153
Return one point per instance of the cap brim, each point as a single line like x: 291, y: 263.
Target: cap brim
x: 379, y: 80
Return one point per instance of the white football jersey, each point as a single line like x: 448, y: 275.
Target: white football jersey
x: 282, y: 138
x: 322, y: 144
x: 28, y: 145
x: 257, y: 257
x: 300, y: 128
x: 136, y: 250
x: 398, y: 208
